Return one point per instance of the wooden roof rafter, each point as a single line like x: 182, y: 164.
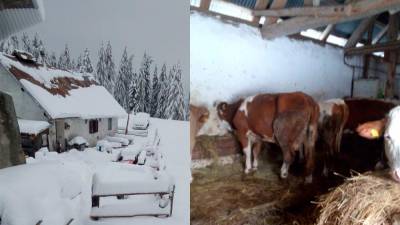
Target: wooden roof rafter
x: 313, y: 17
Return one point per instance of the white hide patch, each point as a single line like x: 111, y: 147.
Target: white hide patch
x: 392, y: 138
x: 214, y: 126
x: 325, y: 107
x: 243, y: 106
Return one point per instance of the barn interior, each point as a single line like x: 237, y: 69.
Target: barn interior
x: 326, y: 48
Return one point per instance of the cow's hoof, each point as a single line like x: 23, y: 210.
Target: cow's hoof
x: 254, y: 169
x: 284, y: 175
x: 247, y: 171
x: 308, y: 179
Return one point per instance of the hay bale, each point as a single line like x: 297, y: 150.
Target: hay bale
x: 368, y: 199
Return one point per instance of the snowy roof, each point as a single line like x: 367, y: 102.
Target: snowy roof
x: 62, y: 93
x: 32, y: 126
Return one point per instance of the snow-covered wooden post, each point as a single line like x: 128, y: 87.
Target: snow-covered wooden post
x: 10, y: 140
x: 127, y: 124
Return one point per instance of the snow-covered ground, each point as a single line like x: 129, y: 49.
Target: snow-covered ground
x: 175, y: 145
x: 56, y: 187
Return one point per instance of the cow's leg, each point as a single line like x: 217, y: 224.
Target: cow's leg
x: 287, y: 161
x: 301, y: 153
x: 309, y: 157
x: 256, y: 151
x: 245, y: 142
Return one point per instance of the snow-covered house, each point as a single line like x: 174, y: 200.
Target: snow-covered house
x: 72, y: 103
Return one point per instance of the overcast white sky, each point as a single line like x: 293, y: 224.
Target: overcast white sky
x: 159, y: 27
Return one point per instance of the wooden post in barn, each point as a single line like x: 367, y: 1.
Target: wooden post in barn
x: 367, y: 57
x: 205, y: 5
x: 276, y: 4
x: 260, y: 5
x: 391, y: 55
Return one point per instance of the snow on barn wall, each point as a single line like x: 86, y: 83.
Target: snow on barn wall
x: 230, y: 60
x: 24, y: 104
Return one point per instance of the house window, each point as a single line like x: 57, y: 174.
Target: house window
x: 109, y: 123
x: 93, y: 126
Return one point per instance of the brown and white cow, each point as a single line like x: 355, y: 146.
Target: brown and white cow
x: 287, y: 119
x: 332, y: 119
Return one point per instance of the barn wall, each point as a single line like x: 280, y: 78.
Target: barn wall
x: 80, y: 127
x: 24, y: 104
x: 231, y: 60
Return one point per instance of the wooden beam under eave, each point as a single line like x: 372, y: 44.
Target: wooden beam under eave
x: 380, y: 35
x: 276, y: 4
x: 358, y: 33
x: 260, y: 5
x: 368, y: 49
x: 328, y: 29
x: 357, y: 10
x: 321, y: 11
x: 205, y: 5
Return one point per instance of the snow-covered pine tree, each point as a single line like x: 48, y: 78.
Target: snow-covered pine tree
x: 109, y: 68
x: 14, y: 41
x: 176, y: 102
x: 8, y: 45
x: 52, y: 60
x: 133, y: 100
x: 105, y: 73
x: 2, y: 44
x: 155, y: 91
x: 26, y: 43
x: 121, y: 90
x: 162, y: 95
x: 73, y: 65
x: 144, y: 84
x: 86, y: 62
x: 79, y: 64
x: 64, y: 61
x: 37, y: 46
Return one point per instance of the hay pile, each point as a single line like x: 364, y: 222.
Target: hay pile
x: 368, y: 199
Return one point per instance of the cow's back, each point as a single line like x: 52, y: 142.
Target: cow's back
x: 260, y: 111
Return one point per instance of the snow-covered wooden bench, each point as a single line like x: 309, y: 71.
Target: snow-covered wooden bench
x: 149, y: 192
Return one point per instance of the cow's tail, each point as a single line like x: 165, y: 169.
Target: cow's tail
x: 342, y: 121
x: 311, y: 138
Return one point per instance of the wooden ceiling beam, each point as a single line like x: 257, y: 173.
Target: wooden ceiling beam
x: 276, y: 4
x: 380, y: 35
x: 260, y: 5
x: 358, y: 33
x: 328, y: 29
x: 368, y: 49
x: 322, y: 11
x: 357, y: 10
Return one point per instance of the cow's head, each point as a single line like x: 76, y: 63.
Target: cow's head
x: 215, y: 124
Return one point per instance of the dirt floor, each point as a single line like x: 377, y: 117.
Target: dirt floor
x: 224, y: 195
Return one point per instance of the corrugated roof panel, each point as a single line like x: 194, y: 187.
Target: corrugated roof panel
x: 294, y: 3
x: 245, y: 3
